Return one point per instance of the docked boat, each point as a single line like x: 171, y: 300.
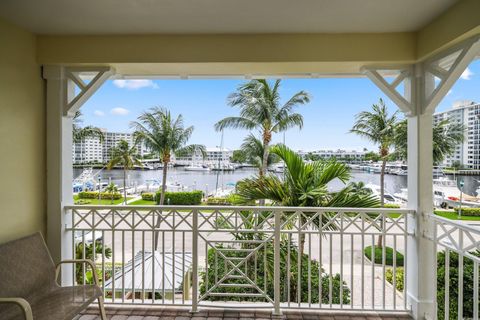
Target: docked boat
x: 196, y: 167
x: 223, y: 167
x: 387, y: 196
x: 445, y: 195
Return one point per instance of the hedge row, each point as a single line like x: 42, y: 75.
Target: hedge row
x: 176, y: 198
x: 148, y: 196
x: 471, y: 212
x: 94, y: 195
x: 219, y: 202
x: 181, y: 198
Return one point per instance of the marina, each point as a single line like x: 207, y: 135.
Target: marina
x: 220, y: 181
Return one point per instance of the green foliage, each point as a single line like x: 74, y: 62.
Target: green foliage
x: 80, y: 133
x: 399, y: 277
x: 94, y: 195
x: 148, y: 196
x: 262, y: 275
x: 218, y: 202
x: 388, y: 255
x: 468, y: 281
x: 372, y: 156
x: 446, y: 136
x: 85, y: 250
x: 305, y: 184
x: 239, y: 156
x: 181, y: 198
x: 391, y: 205
x: 470, y: 212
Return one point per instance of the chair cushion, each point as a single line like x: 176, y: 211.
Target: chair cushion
x: 58, y: 304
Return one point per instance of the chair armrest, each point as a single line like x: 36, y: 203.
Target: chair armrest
x: 22, y: 303
x: 87, y: 261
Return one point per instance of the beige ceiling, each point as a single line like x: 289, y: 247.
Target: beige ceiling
x: 220, y: 16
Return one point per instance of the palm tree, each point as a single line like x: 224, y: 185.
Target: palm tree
x: 127, y: 157
x: 446, y: 136
x: 360, y: 188
x: 304, y: 185
x: 261, y: 109
x: 80, y: 133
x: 165, y: 136
x: 112, y: 189
x: 254, y: 151
x: 378, y: 127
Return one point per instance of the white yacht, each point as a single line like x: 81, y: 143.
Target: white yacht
x: 197, y: 167
x: 387, y: 196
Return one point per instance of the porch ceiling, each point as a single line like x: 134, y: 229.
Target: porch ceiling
x: 220, y: 16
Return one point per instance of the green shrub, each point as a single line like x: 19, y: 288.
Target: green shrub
x: 181, y: 198
x: 83, y: 202
x: 263, y: 277
x: 218, y: 202
x: 388, y: 255
x: 94, y: 195
x: 391, y: 206
x: 148, y: 196
x: 399, y: 277
x: 468, y: 281
x: 471, y: 212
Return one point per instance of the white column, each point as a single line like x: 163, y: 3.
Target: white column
x: 421, y: 256
x: 59, y: 164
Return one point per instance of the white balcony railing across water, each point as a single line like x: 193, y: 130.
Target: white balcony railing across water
x: 262, y: 257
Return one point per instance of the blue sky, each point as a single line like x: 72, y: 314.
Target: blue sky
x: 327, y: 118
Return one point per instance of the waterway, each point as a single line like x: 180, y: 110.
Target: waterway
x: 211, y: 180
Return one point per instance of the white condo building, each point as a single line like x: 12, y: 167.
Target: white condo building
x: 213, y: 155
x: 92, y: 150
x: 468, y: 152
x: 338, y: 154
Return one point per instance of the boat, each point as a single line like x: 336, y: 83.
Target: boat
x: 223, y: 167
x: 445, y: 195
x: 196, y: 167
x: 387, y: 196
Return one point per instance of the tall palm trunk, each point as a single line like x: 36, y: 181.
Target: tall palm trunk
x: 124, y: 185
x: 164, y: 184
x: 165, y: 160
x: 382, y: 199
x: 267, y: 136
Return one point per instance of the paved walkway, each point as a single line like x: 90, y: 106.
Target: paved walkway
x: 160, y: 313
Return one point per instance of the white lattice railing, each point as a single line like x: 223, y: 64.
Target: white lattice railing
x: 243, y: 256
x: 458, y: 258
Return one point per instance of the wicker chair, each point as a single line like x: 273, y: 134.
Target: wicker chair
x: 29, y: 288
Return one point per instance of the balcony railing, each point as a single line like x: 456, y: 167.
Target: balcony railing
x: 244, y: 256
x: 458, y: 259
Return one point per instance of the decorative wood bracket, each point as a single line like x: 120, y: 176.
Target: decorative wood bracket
x: 82, y: 83
x: 425, y: 83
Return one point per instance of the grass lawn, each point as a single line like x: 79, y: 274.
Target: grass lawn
x: 94, y: 202
x: 388, y: 255
x: 453, y: 216
x: 142, y: 202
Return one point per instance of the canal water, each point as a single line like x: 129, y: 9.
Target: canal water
x: 209, y: 180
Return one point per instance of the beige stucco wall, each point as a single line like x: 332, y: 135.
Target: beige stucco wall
x: 22, y: 135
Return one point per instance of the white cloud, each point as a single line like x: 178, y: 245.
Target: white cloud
x: 134, y: 84
x: 119, y: 111
x: 449, y: 92
x: 99, y: 113
x: 467, y: 74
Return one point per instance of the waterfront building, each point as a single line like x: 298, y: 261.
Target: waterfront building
x: 466, y: 153
x: 213, y: 155
x: 92, y: 150
x: 340, y: 154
